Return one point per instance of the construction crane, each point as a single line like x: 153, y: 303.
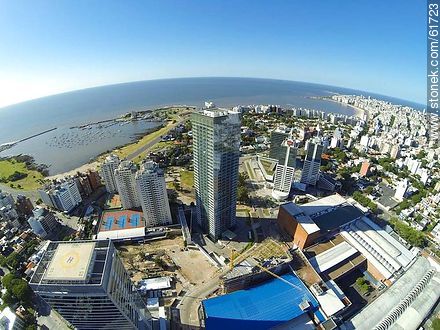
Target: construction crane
x: 232, y: 262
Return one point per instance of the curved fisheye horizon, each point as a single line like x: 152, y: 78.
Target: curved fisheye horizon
x: 219, y: 164
x: 421, y: 105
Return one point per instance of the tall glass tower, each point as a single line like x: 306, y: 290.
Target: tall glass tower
x: 86, y: 282
x: 216, y: 144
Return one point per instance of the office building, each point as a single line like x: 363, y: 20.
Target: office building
x: 152, y: 193
x: 43, y: 222
x: 365, y: 168
x: 24, y: 205
x: 6, y: 199
x: 86, y: 283
x: 9, y: 214
x: 94, y: 179
x: 312, y: 162
x: 401, y: 189
x: 64, y: 196
x: 277, y: 138
x: 216, y: 143
x: 126, y: 184
x: 284, y: 172
x: 108, y: 168
x: 11, y: 321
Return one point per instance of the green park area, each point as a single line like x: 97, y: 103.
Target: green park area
x: 129, y: 149
x: 17, y: 175
x: 187, y: 179
x: 268, y: 165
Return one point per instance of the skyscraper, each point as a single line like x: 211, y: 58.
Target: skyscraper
x: 312, y: 162
x: 285, y: 170
x: 85, y: 282
x: 277, y: 151
x: 108, y: 168
x: 152, y: 193
x: 42, y: 222
x: 216, y: 143
x: 126, y: 184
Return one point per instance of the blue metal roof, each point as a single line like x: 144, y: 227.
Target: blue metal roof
x: 260, y: 307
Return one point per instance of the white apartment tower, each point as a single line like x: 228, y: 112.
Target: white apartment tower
x: 107, y: 172
x: 126, y: 184
x: 401, y: 189
x: 312, y: 162
x: 152, y: 193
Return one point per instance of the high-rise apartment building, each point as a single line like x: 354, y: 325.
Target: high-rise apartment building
x: 66, y: 196
x: 126, y: 184
x: 42, y: 222
x: 24, y: 205
x: 285, y: 170
x: 107, y: 172
x: 216, y: 143
x: 85, y: 282
x: 277, y: 138
x: 312, y: 162
x: 152, y: 193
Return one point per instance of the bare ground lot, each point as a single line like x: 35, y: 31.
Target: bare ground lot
x: 166, y: 258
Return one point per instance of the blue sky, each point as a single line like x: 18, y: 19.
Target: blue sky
x: 47, y: 47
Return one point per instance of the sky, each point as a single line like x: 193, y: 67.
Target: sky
x: 48, y: 47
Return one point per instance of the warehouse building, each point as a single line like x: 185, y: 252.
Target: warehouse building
x: 337, y: 237
x: 404, y: 305
x: 273, y: 303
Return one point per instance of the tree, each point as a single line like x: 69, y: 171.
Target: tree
x: 176, y: 185
x: 242, y: 195
x: 436, y: 324
x: 7, y: 280
x: 242, y: 177
x: 369, y: 190
x: 8, y: 298
x: 21, y: 290
x: 13, y: 260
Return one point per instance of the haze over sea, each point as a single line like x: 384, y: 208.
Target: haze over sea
x: 94, y: 104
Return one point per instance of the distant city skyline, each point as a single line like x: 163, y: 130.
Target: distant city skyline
x: 48, y: 48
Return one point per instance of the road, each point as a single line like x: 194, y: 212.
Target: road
x: 52, y: 321
x: 150, y: 144
x: 31, y: 194
x: 190, y: 302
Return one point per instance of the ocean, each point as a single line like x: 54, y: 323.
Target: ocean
x: 94, y: 104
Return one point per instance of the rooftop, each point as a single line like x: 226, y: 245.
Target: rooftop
x: 325, y: 258
x: 297, y: 212
x: 269, y: 304
x: 336, y: 217
x: 70, y: 262
x: 121, y: 219
x: 410, y: 299
x: 332, y: 256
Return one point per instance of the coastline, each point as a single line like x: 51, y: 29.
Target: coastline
x: 144, y: 143
x: 359, y: 112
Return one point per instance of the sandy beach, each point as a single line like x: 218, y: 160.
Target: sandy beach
x: 359, y: 112
x: 83, y: 168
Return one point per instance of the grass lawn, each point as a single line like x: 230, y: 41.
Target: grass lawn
x: 187, y: 179
x: 268, y: 166
x: 249, y: 170
x: 8, y: 167
x: 129, y: 149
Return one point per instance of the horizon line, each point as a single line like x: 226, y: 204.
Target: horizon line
x: 207, y: 77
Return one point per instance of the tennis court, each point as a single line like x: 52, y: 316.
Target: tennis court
x: 121, y: 219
